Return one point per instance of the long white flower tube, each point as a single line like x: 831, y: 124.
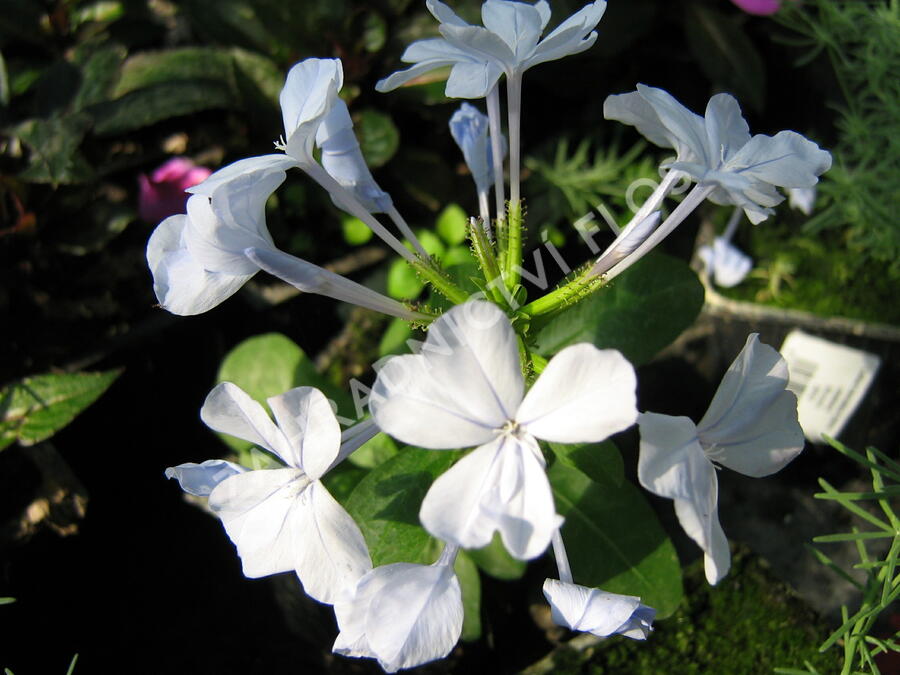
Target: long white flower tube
x: 402, y: 614
x: 751, y: 427
x: 465, y: 388
x: 310, y: 278
x: 281, y: 520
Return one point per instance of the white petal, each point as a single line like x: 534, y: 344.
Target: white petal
x: 309, y: 92
x: 259, y: 512
x: 214, y: 243
x: 584, y: 395
x: 424, y: 615
x: 264, y: 163
x: 685, y: 129
x: 472, y: 79
x: 443, y: 13
x: 787, y: 160
x: 700, y: 520
x: 465, y: 383
x: 230, y: 410
x: 200, y: 479
x: 726, y: 129
x: 416, y: 618
x: 591, y: 610
x: 668, y: 445
x: 633, y: 109
x: 501, y: 487
x: 518, y: 24
x: 672, y: 464
x: 572, y: 36
x: 342, y: 158
x: 330, y: 554
x: 751, y: 425
x: 313, y: 434
x: 180, y: 283
x: 480, y: 43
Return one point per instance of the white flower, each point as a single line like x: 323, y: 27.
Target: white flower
x: 282, y: 519
x: 466, y: 388
x: 197, y: 259
x: 751, y: 427
x: 402, y: 614
x: 802, y: 199
x: 314, y: 114
x: 717, y: 149
x: 591, y: 610
x: 725, y: 262
x: 510, y: 41
x: 202, y: 258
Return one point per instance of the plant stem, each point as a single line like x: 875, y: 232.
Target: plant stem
x: 512, y: 262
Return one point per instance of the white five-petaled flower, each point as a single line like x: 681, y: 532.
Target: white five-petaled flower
x: 284, y: 519
x: 466, y: 388
x: 402, y: 614
x: 751, y: 427
x: 510, y: 41
x: 717, y: 149
x: 591, y: 610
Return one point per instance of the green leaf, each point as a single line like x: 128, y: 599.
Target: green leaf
x: 452, y: 224
x: 402, y: 281
x: 377, y: 451
x: 7, y: 601
x: 53, y: 143
x: 148, y: 106
x: 374, y: 33
x: 154, y: 86
x: 355, y: 231
x: 496, y: 561
x: 726, y: 54
x: 342, y: 480
x: 614, y: 540
x: 271, y: 364
x: 470, y: 586
x: 378, y: 136
x: 601, y: 462
x: 385, y: 505
x: 35, y: 408
x: 394, y: 339
x: 639, y: 313
x: 98, y: 75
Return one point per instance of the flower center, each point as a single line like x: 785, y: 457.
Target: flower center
x: 511, y: 428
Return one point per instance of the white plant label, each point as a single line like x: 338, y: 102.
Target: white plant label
x: 830, y: 381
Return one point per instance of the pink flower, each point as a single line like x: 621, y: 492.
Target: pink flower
x: 758, y: 7
x: 162, y: 194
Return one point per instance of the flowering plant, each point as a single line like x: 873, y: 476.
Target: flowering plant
x: 530, y: 378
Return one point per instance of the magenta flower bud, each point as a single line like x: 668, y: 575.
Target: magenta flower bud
x: 162, y: 194
x: 758, y: 7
